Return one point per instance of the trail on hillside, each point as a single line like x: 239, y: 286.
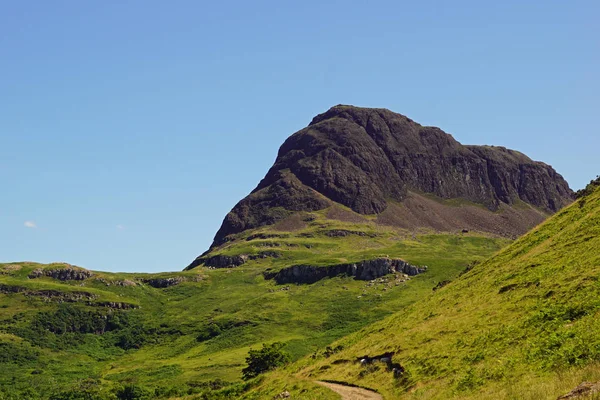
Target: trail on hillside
x: 351, y: 392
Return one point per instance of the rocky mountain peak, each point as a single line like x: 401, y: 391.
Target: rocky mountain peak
x: 365, y: 158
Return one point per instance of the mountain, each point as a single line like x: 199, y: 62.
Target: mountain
x: 308, y: 269
x: 376, y: 162
x: 523, y: 324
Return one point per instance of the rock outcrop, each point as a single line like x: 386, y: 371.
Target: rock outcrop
x: 220, y: 261
x: 49, y: 294
x: 223, y: 261
x: 365, y: 157
x: 345, y: 232
x: 69, y: 273
x: 585, y: 390
x: 162, y: 283
x: 365, y: 270
x: 58, y: 296
x: 10, y: 289
x: 115, y: 305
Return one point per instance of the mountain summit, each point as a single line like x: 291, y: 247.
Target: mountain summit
x: 374, y: 161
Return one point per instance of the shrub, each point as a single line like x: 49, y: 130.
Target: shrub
x: 132, y: 338
x: 268, y: 358
x: 133, y: 392
x: 208, y: 332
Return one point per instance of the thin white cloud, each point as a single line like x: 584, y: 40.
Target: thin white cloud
x: 30, y: 224
x: 120, y: 227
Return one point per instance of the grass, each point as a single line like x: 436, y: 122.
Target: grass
x: 193, y: 337
x: 524, y: 324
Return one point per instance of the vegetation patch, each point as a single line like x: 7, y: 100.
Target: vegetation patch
x: 17, y: 353
x: 260, y: 361
x: 529, y: 313
x: 120, y: 328
x: 219, y: 326
x: 73, y: 319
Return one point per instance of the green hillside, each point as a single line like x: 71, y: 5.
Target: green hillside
x: 102, y: 335
x: 524, y: 324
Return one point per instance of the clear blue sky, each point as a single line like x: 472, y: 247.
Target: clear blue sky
x: 128, y: 129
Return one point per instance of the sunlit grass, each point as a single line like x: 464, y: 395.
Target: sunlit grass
x: 523, y: 325
x: 252, y: 310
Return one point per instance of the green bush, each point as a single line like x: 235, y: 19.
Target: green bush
x: 208, y: 332
x: 132, y: 338
x: 268, y: 358
x: 133, y: 392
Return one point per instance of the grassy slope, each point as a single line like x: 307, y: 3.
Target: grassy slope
x: 524, y: 324
x: 252, y: 310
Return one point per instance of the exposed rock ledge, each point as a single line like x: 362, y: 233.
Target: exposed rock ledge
x: 363, y: 270
x: 58, y: 296
x: 223, y: 261
x: 63, y: 274
x: 161, y: 283
x: 116, y: 305
x: 49, y: 294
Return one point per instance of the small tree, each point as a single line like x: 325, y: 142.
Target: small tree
x: 269, y: 357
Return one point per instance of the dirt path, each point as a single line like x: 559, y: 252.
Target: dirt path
x: 351, y: 392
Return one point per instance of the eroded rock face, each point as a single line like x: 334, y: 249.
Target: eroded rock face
x: 9, y: 289
x: 115, y: 305
x: 117, y: 282
x: 583, y: 390
x: 345, y: 232
x: 49, y: 295
x: 223, y: 261
x: 163, y: 282
x: 56, y: 295
x: 364, y: 270
x: 62, y: 274
x: 361, y: 157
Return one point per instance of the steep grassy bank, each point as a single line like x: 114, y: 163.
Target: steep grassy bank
x: 522, y: 325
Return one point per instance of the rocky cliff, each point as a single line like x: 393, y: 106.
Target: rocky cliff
x: 364, y: 158
x: 63, y: 273
x: 365, y: 270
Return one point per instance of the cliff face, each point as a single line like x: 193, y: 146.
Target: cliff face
x: 364, y: 157
x: 365, y: 270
